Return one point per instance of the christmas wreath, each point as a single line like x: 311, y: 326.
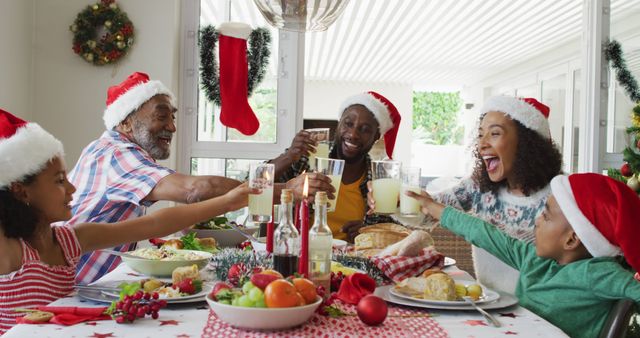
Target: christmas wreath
x: 258, y: 54
x: 117, y: 37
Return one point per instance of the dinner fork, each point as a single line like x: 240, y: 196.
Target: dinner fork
x: 491, y: 319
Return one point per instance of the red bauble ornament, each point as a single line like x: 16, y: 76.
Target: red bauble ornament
x: 625, y: 170
x: 372, y: 310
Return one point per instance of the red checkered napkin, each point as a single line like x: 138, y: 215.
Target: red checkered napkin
x: 400, y: 267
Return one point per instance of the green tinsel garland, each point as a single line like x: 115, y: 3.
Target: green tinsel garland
x: 258, y: 54
x: 227, y: 257
x: 614, y: 54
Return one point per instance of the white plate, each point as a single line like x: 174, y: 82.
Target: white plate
x: 339, y: 243
x: 487, y: 296
x: 109, y: 296
x: 505, y: 300
x: 448, y: 261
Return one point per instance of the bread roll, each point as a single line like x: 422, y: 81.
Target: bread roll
x: 39, y: 316
x: 174, y: 243
x: 410, y: 246
x: 378, y: 240
x: 183, y: 272
x: 438, y: 286
x: 208, y: 242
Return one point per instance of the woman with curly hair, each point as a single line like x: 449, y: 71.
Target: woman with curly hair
x: 515, y: 162
x: 37, y: 260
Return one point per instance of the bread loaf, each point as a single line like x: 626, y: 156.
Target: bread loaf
x: 184, y: 272
x: 384, y: 227
x: 378, y: 240
x: 438, y: 286
x: 410, y: 246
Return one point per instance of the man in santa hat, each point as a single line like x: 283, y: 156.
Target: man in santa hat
x: 117, y: 176
x: 364, y: 118
x: 575, y: 272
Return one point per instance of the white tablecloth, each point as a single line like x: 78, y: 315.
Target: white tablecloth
x: 188, y: 320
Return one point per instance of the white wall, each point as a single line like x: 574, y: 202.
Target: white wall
x: 322, y: 100
x: 16, y: 36
x: 69, y: 93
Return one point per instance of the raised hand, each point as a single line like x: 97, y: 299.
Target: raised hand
x: 238, y: 197
x: 317, y: 182
x: 352, y: 229
x: 428, y: 205
x: 301, y: 145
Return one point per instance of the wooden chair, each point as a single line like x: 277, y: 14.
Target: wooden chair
x: 617, y: 324
x: 454, y: 246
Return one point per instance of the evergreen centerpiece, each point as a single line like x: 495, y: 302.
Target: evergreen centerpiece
x: 630, y: 170
x: 106, y: 16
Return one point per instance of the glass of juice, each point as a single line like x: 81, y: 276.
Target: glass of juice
x: 410, y: 177
x: 386, y: 185
x: 320, y: 135
x: 333, y: 169
x: 261, y: 177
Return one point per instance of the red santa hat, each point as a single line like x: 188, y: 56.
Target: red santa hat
x: 530, y: 112
x: 603, y: 212
x: 25, y: 148
x: 385, y: 113
x: 126, y: 97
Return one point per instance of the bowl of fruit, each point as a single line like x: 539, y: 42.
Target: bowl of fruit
x: 265, y: 302
x: 219, y: 228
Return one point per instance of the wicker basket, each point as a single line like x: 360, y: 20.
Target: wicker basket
x: 378, y: 240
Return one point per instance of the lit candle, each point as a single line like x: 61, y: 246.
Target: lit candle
x: 270, y: 233
x: 303, y: 262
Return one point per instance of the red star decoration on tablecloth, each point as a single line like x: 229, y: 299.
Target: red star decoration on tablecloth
x: 508, y: 314
x: 133, y: 274
x: 511, y: 333
x: 475, y: 323
x: 91, y: 323
x: 183, y: 336
x: 102, y: 335
x: 168, y: 322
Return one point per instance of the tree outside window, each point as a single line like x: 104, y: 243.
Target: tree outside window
x: 435, y: 118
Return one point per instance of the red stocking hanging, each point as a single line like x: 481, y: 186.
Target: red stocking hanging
x: 235, y: 110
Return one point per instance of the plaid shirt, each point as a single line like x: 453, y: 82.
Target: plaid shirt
x: 113, y: 176
x: 302, y: 165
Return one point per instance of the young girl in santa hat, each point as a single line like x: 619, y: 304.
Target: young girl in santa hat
x: 38, y: 261
x: 572, y: 276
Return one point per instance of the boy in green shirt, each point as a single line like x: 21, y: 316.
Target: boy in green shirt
x: 571, y: 277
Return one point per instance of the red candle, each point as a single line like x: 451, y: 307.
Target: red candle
x: 270, y: 233
x: 303, y: 261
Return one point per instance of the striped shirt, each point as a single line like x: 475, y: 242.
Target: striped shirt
x: 112, y: 177
x: 37, y: 283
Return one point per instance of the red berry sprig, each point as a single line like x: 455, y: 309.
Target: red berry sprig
x: 137, y: 305
x: 336, y: 280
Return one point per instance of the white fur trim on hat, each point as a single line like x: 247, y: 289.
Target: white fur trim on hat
x: 379, y: 109
x: 26, y: 153
x: 519, y: 110
x: 592, y: 239
x: 238, y: 30
x: 131, y: 100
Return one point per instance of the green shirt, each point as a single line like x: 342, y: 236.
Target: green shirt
x: 576, y: 297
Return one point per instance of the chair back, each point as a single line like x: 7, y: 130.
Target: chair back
x: 617, y: 322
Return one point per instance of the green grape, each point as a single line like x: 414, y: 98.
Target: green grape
x: 245, y: 301
x: 256, y: 294
x: 260, y: 303
x: 225, y: 301
x: 234, y: 302
x: 247, y: 287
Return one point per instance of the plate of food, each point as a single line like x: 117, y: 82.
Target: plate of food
x: 438, y: 288
x: 219, y: 228
x: 505, y: 300
x: 162, y: 262
x: 185, y: 286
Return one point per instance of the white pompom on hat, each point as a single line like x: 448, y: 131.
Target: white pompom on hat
x: 530, y: 112
x: 126, y: 97
x: 25, y: 148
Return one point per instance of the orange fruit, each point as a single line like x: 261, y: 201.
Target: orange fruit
x: 272, y: 272
x: 301, y: 301
x: 306, y: 288
x: 281, y: 293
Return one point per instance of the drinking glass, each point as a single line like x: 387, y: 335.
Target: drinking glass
x: 386, y: 185
x: 410, y: 177
x: 333, y: 169
x: 261, y: 177
x: 321, y: 135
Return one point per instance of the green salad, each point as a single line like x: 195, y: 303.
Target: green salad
x: 216, y: 223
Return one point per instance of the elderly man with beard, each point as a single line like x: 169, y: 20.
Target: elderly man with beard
x: 117, y: 176
x: 364, y: 118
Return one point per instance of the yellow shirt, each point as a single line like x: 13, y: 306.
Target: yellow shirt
x: 350, y: 207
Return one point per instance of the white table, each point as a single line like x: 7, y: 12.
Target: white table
x: 188, y: 320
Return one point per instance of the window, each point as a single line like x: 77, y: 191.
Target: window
x: 208, y: 147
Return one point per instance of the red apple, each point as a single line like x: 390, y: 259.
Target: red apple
x: 372, y: 310
x: 261, y: 280
x: 219, y: 287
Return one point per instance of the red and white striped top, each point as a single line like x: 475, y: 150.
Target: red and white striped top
x: 37, y: 283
